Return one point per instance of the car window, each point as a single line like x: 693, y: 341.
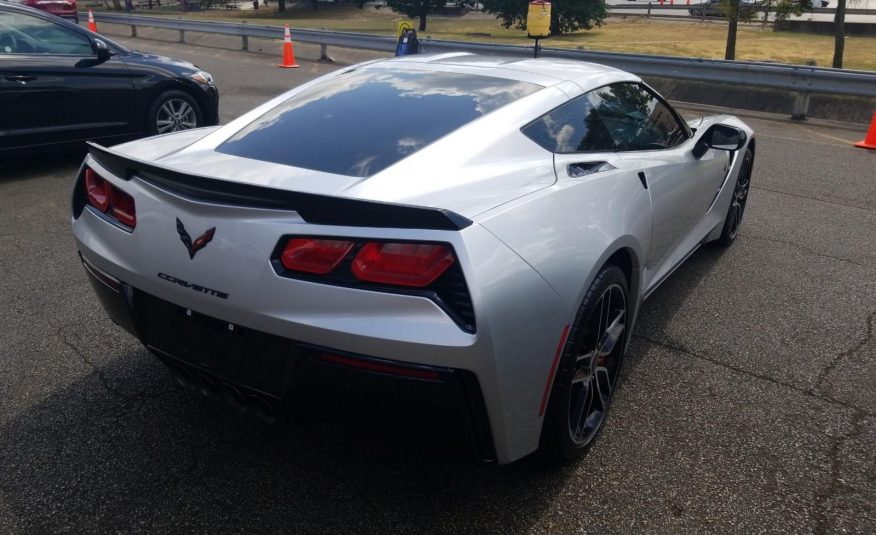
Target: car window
x: 619, y: 117
x: 21, y: 33
x: 635, y: 118
x: 573, y: 127
x: 363, y: 121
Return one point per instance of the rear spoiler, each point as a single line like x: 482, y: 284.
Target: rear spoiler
x: 313, y: 208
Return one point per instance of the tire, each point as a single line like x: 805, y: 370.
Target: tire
x: 733, y: 219
x: 587, y: 377
x: 173, y: 111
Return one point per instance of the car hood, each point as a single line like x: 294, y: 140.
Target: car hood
x: 175, y: 65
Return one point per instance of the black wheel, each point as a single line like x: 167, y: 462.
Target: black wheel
x: 173, y: 111
x: 587, y: 375
x: 737, y: 204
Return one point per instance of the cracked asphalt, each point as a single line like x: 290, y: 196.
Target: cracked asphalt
x: 747, y: 402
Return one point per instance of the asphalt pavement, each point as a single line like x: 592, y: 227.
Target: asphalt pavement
x: 747, y: 402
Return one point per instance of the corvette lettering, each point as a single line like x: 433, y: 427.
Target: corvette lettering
x: 195, y: 287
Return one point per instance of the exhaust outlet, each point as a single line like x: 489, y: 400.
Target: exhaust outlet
x: 207, y: 386
x: 233, y: 397
x: 183, y: 377
x: 262, y: 409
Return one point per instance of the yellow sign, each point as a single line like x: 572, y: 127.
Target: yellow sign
x: 402, y: 26
x: 538, y: 19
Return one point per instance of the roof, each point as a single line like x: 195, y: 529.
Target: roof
x: 542, y: 71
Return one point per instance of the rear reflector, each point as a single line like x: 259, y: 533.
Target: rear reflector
x: 369, y: 365
x: 97, y: 189
x: 404, y: 264
x: 314, y: 256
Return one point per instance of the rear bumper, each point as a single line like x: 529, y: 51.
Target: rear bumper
x: 269, y: 374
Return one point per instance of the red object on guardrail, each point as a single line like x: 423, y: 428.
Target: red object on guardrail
x: 870, y: 141
x: 288, y: 54
x: 91, y: 24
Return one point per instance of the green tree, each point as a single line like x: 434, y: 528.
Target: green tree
x: 839, y: 43
x: 566, y: 15
x: 737, y: 10
x: 415, y: 8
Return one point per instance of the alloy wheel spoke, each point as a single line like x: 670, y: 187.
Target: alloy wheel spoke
x: 584, y: 413
x: 602, y: 379
x: 183, y: 109
x: 612, y: 335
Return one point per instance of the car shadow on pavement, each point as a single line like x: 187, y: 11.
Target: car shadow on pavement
x: 667, y: 299
x: 124, y: 447
x: 32, y: 165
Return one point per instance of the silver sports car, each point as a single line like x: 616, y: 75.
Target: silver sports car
x: 478, y: 231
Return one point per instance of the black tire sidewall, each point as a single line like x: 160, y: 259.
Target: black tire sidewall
x: 152, y: 127
x: 555, y: 434
x: 726, y: 239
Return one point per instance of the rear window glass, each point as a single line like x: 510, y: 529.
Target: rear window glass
x: 362, y: 122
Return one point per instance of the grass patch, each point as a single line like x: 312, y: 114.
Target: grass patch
x: 687, y: 38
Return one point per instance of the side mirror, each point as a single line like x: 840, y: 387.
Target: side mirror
x: 720, y: 137
x: 103, y: 51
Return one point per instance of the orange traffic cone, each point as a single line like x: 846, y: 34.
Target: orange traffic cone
x: 91, y: 25
x: 870, y: 141
x: 288, y: 54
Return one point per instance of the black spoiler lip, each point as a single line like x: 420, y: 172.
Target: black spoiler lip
x: 313, y: 208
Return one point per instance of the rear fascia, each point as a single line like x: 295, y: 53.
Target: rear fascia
x: 519, y: 317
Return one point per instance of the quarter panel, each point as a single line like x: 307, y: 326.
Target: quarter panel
x: 569, y: 230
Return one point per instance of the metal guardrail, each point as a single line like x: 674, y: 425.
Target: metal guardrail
x: 801, y: 81
x: 681, y: 5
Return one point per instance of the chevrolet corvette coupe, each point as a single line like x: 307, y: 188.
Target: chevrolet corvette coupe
x: 477, y: 231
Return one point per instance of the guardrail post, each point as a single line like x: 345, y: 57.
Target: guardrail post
x: 133, y: 31
x: 244, y: 45
x: 182, y: 36
x: 323, y: 54
x: 801, y: 106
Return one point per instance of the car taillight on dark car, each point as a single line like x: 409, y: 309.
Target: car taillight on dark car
x: 109, y: 199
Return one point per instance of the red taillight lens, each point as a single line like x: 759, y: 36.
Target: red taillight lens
x: 314, y: 256
x: 123, y: 207
x: 404, y: 264
x: 97, y: 189
x: 110, y: 199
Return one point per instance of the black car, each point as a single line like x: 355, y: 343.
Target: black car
x: 60, y: 83
x: 717, y: 8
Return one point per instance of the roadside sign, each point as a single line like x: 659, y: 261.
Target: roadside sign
x: 538, y: 19
x: 402, y: 26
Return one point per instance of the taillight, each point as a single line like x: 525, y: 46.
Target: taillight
x: 314, y: 256
x: 96, y: 187
x: 123, y: 207
x: 404, y: 264
x: 428, y: 270
x: 109, y: 199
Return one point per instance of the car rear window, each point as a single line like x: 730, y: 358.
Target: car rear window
x: 362, y: 122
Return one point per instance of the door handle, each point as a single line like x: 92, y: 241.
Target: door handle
x: 21, y: 78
